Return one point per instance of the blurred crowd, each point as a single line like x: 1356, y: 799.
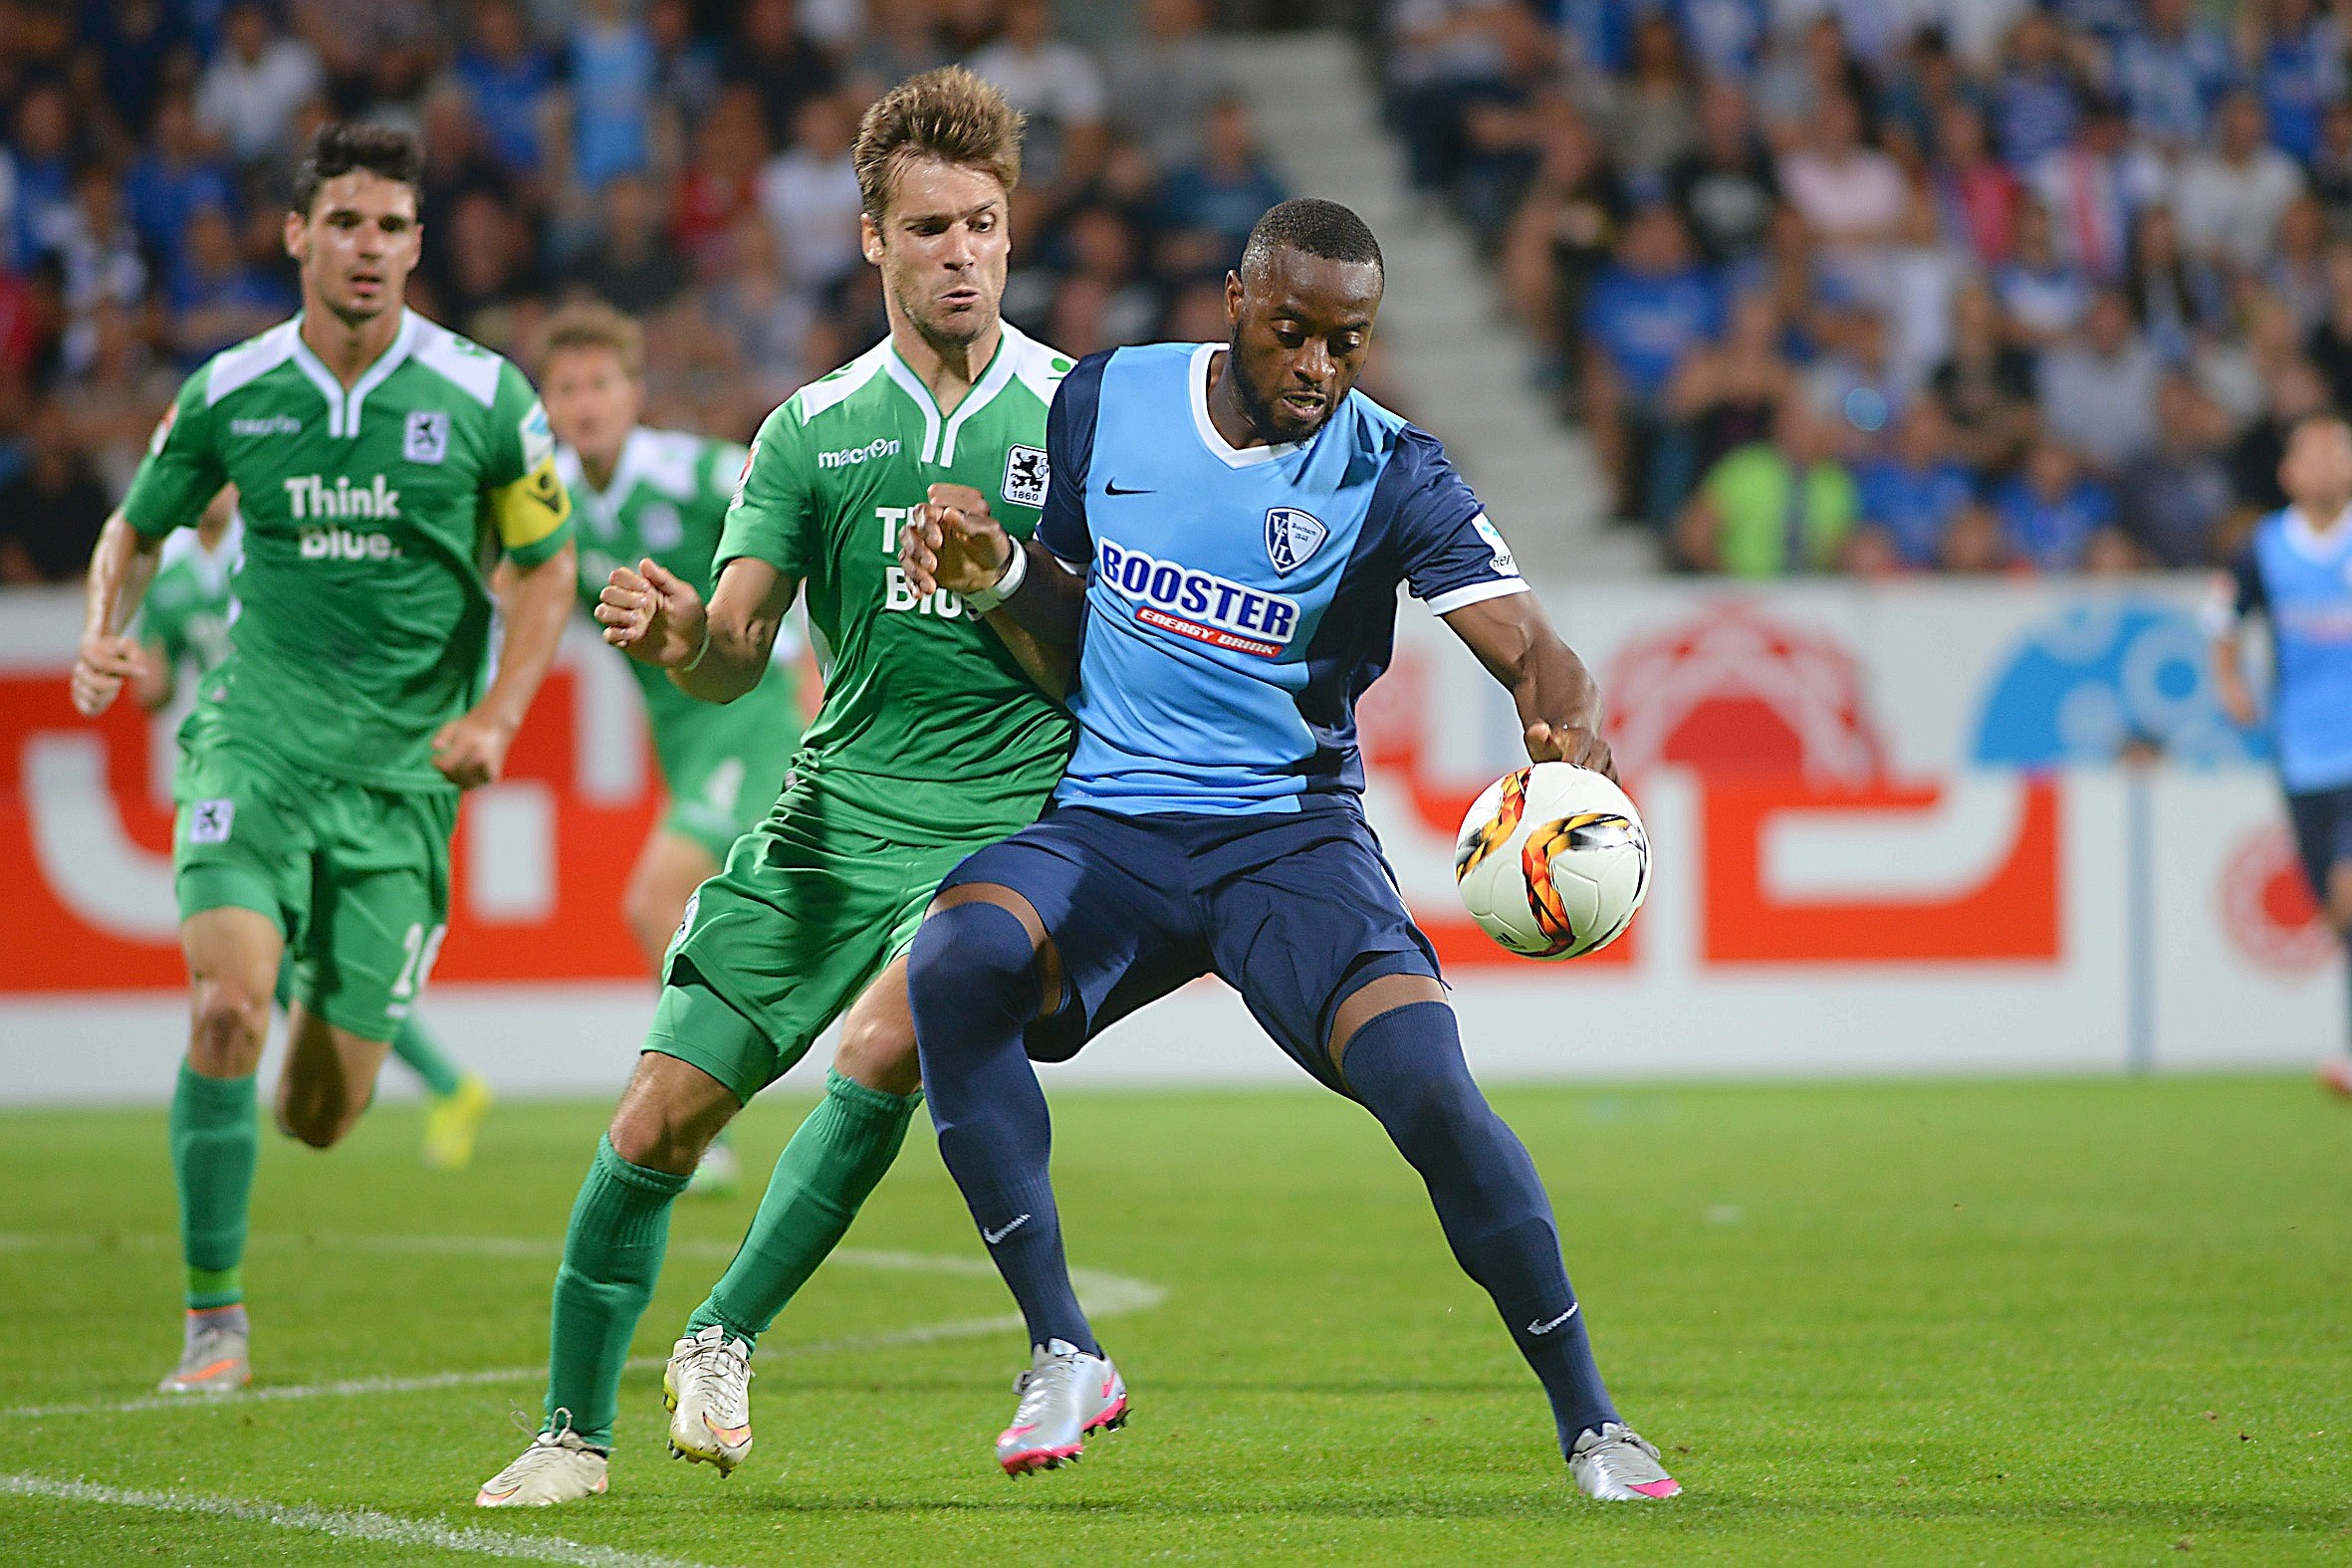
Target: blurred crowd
x: 1881, y: 286
x: 687, y: 160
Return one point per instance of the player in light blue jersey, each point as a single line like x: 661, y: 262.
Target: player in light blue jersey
x: 1228, y: 525
x: 2296, y: 573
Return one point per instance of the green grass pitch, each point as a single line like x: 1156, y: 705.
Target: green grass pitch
x: 2068, y: 1323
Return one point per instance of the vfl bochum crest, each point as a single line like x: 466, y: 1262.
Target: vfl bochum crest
x: 1291, y: 536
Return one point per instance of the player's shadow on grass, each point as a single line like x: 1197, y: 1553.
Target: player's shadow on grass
x: 1542, y: 1494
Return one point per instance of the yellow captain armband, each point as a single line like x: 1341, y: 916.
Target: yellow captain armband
x: 531, y: 508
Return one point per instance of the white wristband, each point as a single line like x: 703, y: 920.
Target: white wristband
x: 700, y: 653
x: 1005, y: 587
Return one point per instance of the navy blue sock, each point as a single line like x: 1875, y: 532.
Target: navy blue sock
x: 1406, y: 1067
x: 971, y: 978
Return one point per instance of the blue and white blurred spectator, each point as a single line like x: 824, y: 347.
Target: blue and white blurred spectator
x: 2171, y: 70
x: 1655, y: 307
x: 2230, y: 195
x: 2034, y: 101
x: 808, y: 195
x: 610, y: 72
x: 1912, y: 491
x: 1162, y: 84
x: 1205, y: 209
x: 2176, y: 497
x: 2044, y: 294
x: 250, y: 93
x: 2051, y: 511
x: 174, y: 176
x: 2299, y: 69
x: 2098, y: 386
x: 2095, y: 188
x: 1058, y: 87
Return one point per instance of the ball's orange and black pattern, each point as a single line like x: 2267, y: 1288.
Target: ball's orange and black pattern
x: 1544, y: 899
x: 1499, y: 826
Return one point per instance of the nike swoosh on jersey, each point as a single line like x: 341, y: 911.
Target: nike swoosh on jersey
x: 1113, y: 487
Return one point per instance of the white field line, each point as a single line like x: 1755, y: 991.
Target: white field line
x: 350, y: 1524
x: 1102, y: 1293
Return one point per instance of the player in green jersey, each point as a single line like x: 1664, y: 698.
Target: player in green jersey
x: 934, y: 739
x: 383, y: 465
x: 662, y: 495
x: 183, y: 621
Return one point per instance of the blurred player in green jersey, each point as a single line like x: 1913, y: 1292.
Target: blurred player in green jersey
x: 383, y: 465
x: 662, y: 495
x: 934, y: 739
x: 184, y: 622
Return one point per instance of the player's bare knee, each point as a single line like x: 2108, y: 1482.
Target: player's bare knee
x: 227, y: 1026
x: 668, y: 1115
x: 879, y: 1053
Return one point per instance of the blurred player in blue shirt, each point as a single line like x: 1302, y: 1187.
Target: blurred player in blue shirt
x: 1225, y: 529
x: 2296, y: 573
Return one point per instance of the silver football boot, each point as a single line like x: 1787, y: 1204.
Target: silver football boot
x: 1618, y: 1465
x: 1065, y: 1394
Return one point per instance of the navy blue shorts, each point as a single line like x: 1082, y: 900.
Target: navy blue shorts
x: 1295, y: 911
x: 2323, y: 833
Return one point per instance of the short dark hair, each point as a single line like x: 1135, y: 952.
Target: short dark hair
x: 343, y: 146
x: 1313, y: 227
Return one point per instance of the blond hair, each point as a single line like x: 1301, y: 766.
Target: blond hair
x: 949, y: 114
x: 595, y: 325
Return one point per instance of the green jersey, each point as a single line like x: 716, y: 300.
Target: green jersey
x: 668, y: 498
x: 189, y: 605
x: 918, y: 693
x: 372, y: 517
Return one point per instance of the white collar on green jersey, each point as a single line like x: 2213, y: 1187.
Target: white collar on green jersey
x: 939, y: 441
x: 662, y: 459
x: 1196, y: 392
x: 343, y: 408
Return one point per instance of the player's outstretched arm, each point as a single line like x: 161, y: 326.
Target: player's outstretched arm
x: 120, y: 568
x: 471, y: 749
x: 1558, y: 700
x: 715, y: 653
x: 952, y: 543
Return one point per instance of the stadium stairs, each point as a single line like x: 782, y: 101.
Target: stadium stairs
x: 1449, y: 347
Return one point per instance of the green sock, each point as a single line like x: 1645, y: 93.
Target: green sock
x: 423, y: 1056
x: 621, y: 1226
x: 820, y: 1181
x: 215, y: 1140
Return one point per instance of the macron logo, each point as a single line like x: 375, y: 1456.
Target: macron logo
x: 879, y: 446
x: 314, y: 500
x: 992, y: 1238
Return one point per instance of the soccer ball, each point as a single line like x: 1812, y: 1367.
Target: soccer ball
x: 1553, y: 861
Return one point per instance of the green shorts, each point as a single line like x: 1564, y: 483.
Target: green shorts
x: 808, y: 909
x: 357, y: 878
x: 721, y: 788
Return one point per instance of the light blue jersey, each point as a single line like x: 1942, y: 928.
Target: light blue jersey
x: 1240, y: 600
x: 2301, y: 580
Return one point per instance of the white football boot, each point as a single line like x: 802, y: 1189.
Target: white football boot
x: 1618, y: 1465
x: 557, y: 1467
x: 1065, y: 1394
x: 214, y: 1354
x: 707, y: 1387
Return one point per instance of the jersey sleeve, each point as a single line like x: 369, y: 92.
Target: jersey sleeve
x: 181, y: 471
x: 773, y: 517
x: 528, y: 504
x: 2238, y: 595
x: 1069, y: 453
x: 1451, y: 556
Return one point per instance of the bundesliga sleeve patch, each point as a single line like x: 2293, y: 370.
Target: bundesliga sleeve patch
x: 209, y: 822
x: 1027, y: 476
